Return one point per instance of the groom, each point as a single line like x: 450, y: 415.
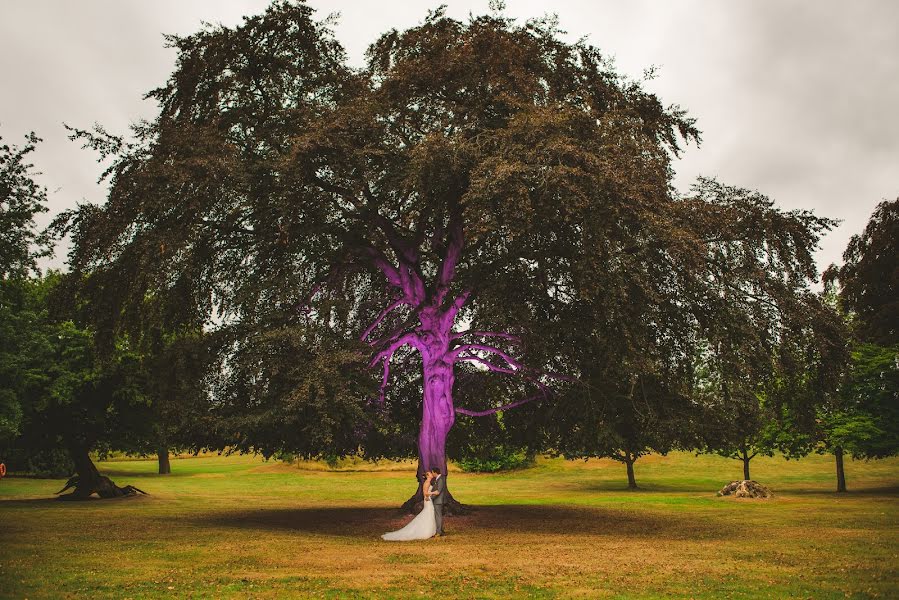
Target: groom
x: 438, y: 488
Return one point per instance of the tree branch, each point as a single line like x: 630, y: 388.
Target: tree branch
x: 382, y: 316
x: 488, y: 364
x: 484, y: 413
x: 341, y: 191
x: 385, y: 355
x: 505, y: 356
x: 380, y: 261
x: 450, y: 315
x: 506, y: 336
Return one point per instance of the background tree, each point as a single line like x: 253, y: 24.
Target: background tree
x: 175, y: 362
x: 72, y: 400
x: 751, y: 427
x: 623, y: 416
x: 719, y: 314
x: 21, y: 199
x: 869, y: 277
x: 863, y: 420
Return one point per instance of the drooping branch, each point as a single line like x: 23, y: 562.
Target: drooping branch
x: 486, y: 363
x: 382, y: 389
x: 393, y: 305
x: 491, y: 349
x: 386, y: 354
x: 506, y: 336
x: 491, y: 411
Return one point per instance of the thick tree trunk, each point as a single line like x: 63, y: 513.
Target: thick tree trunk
x: 745, y: 458
x: 629, y: 460
x: 87, y: 480
x: 841, y: 474
x: 165, y: 467
x: 438, y: 412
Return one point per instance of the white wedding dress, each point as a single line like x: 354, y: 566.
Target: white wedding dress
x: 423, y: 526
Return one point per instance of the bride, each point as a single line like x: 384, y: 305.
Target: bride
x: 424, y: 524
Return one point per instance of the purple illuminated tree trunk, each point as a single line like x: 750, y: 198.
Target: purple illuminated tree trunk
x: 440, y: 347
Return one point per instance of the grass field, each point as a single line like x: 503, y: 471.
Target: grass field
x: 238, y: 527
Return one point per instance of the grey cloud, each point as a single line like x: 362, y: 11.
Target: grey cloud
x: 795, y: 98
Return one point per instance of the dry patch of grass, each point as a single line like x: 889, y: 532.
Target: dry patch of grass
x: 229, y: 527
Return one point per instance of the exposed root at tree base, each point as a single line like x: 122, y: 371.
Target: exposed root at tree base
x: 451, y: 507
x: 102, y: 486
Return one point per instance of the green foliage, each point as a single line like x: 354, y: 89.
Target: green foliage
x: 70, y: 398
x: 36, y: 462
x: 21, y: 199
x: 869, y: 277
x: 864, y: 419
x: 277, y: 188
x: 496, y: 458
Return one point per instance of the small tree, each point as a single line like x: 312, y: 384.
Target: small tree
x: 627, y: 421
x: 869, y: 278
x: 751, y: 427
x: 719, y: 317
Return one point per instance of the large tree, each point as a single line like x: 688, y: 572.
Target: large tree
x: 450, y: 206
x: 863, y: 420
x: 457, y: 178
x: 70, y: 398
x: 711, y: 314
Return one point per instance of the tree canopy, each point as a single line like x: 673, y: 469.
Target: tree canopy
x: 869, y: 277
x: 21, y: 199
x: 482, y: 200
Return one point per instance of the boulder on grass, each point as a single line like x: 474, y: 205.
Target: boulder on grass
x: 746, y: 488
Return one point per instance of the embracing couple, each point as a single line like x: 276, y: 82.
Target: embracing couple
x: 429, y: 521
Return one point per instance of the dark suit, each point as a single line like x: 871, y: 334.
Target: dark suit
x: 439, y: 485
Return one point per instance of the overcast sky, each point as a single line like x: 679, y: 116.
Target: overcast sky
x: 797, y: 99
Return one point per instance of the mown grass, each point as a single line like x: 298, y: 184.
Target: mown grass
x: 238, y: 527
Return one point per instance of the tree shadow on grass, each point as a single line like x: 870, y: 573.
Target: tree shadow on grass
x: 652, y: 487
x: 886, y: 491
x: 371, y: 522
x: 30, y: 502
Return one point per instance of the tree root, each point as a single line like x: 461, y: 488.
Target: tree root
x: 451, y: 506
x: 102, y: 486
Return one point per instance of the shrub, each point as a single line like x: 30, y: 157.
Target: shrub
x: 496, y: 458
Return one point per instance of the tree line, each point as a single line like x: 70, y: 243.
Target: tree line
x: 469, y: 247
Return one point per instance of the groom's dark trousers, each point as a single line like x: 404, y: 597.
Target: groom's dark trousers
x: 439, y: 486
